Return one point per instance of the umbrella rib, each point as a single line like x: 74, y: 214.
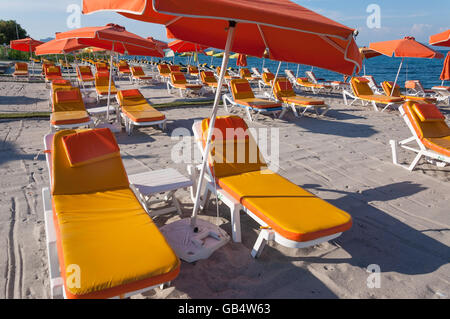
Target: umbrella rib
x: 262, y: 35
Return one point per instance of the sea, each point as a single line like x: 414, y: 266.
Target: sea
x: 382, y: 68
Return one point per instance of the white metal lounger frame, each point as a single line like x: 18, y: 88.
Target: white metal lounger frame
x: 441, y: 94
x: 435, y: 158
x: 346, y: 94
x: 229, y: 104
x: 57, y: 290
x: 171, y: 86
x: 294, y: 106
x: 373, y: 85
x: 266, y: 233
x: 129, y: 123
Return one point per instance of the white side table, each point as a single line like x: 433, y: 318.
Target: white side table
x: 151, y: 183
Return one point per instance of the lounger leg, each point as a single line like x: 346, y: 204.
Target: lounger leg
x: 387, y: 105
x: 415, y: 161
x: 283, y: 112
x: 249, y: 114
x: 264, y: 236
x: 375, y: 106
x: 236, y: 223
x: 294, y: 110
x: 327, y: 108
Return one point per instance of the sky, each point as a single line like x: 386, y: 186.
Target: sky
x: 398, y: 18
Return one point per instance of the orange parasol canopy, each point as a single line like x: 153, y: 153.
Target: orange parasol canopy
x: 368, y: 53
x: 25, y: 45
x: 407, y: 47
x: 163, y: 45
x: 62, y: 46
x: 441, y: 39
x: 241, y: 60
x: 279, y: 25
x: 180, y: 46
x: 115, y: 38
x: 445, y: 75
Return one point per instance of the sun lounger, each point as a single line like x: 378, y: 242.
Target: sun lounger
x: 414, y: 87
x: 136, y: 111
x: 304, y: 83
x: 288, y: 214
x: 284, y: 93
x: 373, y: 85
x: 243, y: 96
x: 335, y: 84
x: 178, y: 81
x: 266, y: 80
x: 52, y: 72
x: 192, y: 70
x: 227, y: 75
x: 84, y: 75
x: 68, y: 110
x: 45, y: 65
x: 442, y: 93
x: 101, y: 67
x: 138, y: 75
x: 361, y: 91
x: 247, y: 75
x: 124, y: 69
x: 387, y: 88
x: 101, y: 242
x: 164, y: 72
x: 174, y: 68
x: 209, y: 80
x: 430, y: 132
x: 256, y: 72
x: 21, y: 70
x: 102, y: 85
x: 64, y: 64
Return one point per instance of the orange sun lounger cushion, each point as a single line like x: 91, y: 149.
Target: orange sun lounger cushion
x: 136, y: 107
x: 428, y: 112
x: 69, y: 95
x: 131, y: 93
x: 90, y: 146
x: 287, y: 208
x: 268, y: 77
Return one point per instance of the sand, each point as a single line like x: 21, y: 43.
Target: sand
x: 401, y: 218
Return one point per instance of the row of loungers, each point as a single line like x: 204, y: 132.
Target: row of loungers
x: 129, y: 253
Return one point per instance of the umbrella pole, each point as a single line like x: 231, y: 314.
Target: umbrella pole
x: 298, y: 68
x: 396, y: 78
x: 275, y: 79
x: 230, y: 37
x: 264, y: 61
x: 110, y: 77
x: 68, y: 69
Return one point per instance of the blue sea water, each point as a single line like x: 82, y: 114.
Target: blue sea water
x: 382, y: 68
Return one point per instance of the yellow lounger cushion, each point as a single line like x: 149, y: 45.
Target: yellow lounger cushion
x: 290, y: 210
x: 69, y: 117
x: 302, y: 100
x: 112, y: 240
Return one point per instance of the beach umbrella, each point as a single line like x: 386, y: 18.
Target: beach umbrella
x: 367, y: 53
x: 113, y: 38
x: 441, y: 39
x: 180, y: 46
x: 25, y: 45
x: 241, y: 60
x: 163, y: 45
x: 445, y: 75
x: 407, y: 47
x: 62, y: 46
x: 247, y: 27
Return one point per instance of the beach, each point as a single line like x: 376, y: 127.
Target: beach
x: 401, y: 219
